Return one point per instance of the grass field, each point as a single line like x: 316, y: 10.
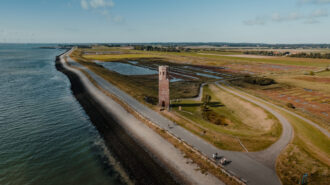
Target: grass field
x: 220, y: 59
x: 138, y: 86
x: 116, y: 57
x: 298, y: 81
x: 253, y: 126
x: 323, y: 74
x: 204, y: 165
x: 308, y: 153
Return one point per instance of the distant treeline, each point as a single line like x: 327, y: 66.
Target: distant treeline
x: 254, y: 80
x: 208, y: 44
x: 311, y: 55
x: 266, y: 53
x: 226, y: 44
x: 297, y: 55
x: 157, y: 48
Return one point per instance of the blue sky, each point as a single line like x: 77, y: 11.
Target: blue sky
x: 266, y: 21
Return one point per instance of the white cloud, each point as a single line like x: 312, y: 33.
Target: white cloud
x: 101, y: 3
x: 95, y: 4
x: 311, y: 21
x: 84, y: 4
x: 256, y: 21
x: 104, y: 12
x: 118, y: 19
x: 319, y: 13
x: 290, y: 17
x: 102, y: 7
x: 310, y: 18
x: 314, y: 1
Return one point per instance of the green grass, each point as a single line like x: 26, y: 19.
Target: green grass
x: 215, y: 59
x: 231, y: 59
x: 282, y: 60
x: 323, y: 74
x: 225, y: 136
x: 309, y: 137
x: 222, y: 52
x: 308, y: 153
x: 292, y: 81
x: 295, y: 161
x: 115, y: 57
x: 304, y: 131
x: 141, y: 85
x: 311, y: 155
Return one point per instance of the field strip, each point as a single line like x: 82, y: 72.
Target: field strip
x: 323, y: 130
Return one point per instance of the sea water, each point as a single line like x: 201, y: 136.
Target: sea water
x: 45, y: 136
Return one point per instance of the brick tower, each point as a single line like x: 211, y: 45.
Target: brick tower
x: 164, y: 88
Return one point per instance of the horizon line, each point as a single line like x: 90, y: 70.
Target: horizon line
x: 163, y: 42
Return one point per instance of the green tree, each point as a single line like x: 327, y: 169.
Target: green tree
x: 206, y: 99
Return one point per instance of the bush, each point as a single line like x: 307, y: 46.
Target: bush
x: 290, y: 105
x: 213, y: 117
x: 151, y: 100
x: 259, y: 81
x: 311, y: 55
x: 206, y: 99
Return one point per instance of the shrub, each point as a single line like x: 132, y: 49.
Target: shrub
x: 290, y: 105
x: 213, y: 117
x: 151, y: 100
x: 206, y: 99
x: 259, y: 81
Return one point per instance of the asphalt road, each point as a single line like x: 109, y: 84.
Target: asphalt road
x: 242, y: 165
x: 269, y: 155
x: 323, y: 130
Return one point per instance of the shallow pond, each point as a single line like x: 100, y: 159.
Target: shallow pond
x: 176, y: 79
x: 209, y: 76
x: 127, y: 69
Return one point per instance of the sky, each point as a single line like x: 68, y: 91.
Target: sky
x: 118, y: 21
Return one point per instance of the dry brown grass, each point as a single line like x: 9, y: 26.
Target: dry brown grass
x: 138, y: 86
x: 308, y: 153
x: 295, y: 162
x: 236, y: 112
x: 221, y: 140
x: 251, y: 115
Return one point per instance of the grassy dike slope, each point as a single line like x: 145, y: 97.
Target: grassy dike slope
x: 309, y: 152
x: 247, y: 123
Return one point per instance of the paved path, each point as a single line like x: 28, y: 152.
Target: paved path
x: 243, y: 166
x: 323, y: 130
x: 200, y: 94
x: 269, y: 155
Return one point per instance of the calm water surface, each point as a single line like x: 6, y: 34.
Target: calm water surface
x: 45, y: 136
x: 127, y: 69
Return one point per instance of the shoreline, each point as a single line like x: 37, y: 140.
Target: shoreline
x: 139, y: 165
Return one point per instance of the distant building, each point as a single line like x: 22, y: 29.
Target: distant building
x: 164, y: 88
